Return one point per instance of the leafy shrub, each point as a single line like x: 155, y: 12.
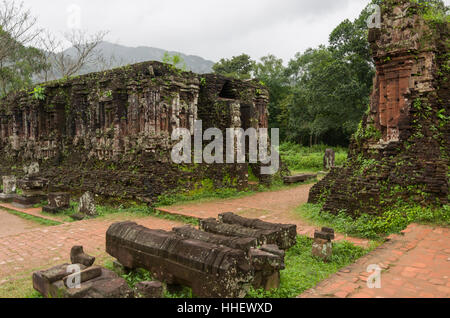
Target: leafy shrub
x: 374, y: 227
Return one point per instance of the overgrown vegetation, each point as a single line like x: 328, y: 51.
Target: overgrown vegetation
x: 304, y: 271
x: 394, y: 220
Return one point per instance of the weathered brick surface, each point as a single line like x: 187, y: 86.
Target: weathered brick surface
x: 403, y: 147
x: 414, y: 265
x: 109, y: 132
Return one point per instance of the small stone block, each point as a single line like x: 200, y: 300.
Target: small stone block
x: 150, y: 289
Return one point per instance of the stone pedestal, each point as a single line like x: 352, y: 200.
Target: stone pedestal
x: 87, y: 205
x: 57, y: 202
x: 153, y: 289
x: 33, y: 192
x: 9, y: 189
x: 322, y: 245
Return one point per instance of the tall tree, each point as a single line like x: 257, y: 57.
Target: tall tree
x: 272, y: 73
x: 241, y: 67
x: 63, y: 62
x: 18, y: 60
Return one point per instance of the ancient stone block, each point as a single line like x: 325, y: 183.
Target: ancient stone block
x: 43, y: 280
x: 78, y: 256
x: 224, y: 229
x: 324, y: 235
x: 266, y: 260
x: 80, y: 281
x: 83, y: 276
x: 299, y: 178
x: 57, y: 202
x: 33, y: 191
x: 150, y: 289
x: 240, y: 243
x: 210, y: 270
x: 322, y: 249
x: 9, y: 184
x: 282, y: 235
x: 329, y: 159
x: 87, y: 205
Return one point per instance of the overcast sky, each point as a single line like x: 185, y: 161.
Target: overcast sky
x: 209, y: 28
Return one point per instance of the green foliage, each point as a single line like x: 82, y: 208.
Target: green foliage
x: 241, y: 67
x: 18, y: 67
x: 39, y: 93
x: 394, y: 220
x: 303, y: 271
x: 299, y: 158
x: 175, y: 61
x: 271, y: 73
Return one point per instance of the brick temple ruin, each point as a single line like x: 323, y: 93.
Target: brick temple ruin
x: 109, y: 132
x: 402, y: 149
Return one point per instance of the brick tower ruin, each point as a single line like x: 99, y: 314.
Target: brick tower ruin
x: 109, y: 132
x: 401, y: 151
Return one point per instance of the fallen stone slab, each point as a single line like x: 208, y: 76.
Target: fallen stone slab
x: 43, y: 280
x: 51, y: 284
x: 240, y: 243
x: 266, y: 261
x: 262, y: 236
x: 285, y: 235
x: 299, y: 178
x: 211, y: 271
x: 84, y: 276
x: 78, y: 256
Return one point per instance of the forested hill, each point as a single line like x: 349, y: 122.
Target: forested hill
x: 119, y: 55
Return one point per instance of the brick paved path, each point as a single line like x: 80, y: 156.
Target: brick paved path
x: 276, y: 206
x: 49, y: 246
x: 415, y: 265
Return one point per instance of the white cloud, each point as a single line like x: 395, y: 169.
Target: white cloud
x: 209, y: 28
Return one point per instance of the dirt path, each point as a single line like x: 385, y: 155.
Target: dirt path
x: 414, y: 265
x: 11, y: 224
x: 277, y: 206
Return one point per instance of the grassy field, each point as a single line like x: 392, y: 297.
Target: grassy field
x: 307, y: 159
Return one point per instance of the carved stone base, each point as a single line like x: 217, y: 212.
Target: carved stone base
x: 7, y: 198
x: 27, y: 202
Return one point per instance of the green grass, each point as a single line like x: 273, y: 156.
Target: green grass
x: 376, y: 227
x: 32, y: 218
x: 304, y: 271
x: 307, y: 159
